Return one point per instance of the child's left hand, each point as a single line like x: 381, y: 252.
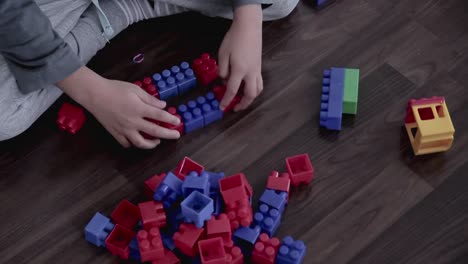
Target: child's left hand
x: 240, y: 56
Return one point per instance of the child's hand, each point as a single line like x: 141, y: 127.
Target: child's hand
x: 240, y: 56
x: 121, y: 108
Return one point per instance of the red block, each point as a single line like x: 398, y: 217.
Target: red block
x: 139, y: 84
x: 150, y: 244
x: 212, y: 251
x: 153, y: 183
x: 219, y: 92
x: 151, y: 89
x: 235, y: 256
x: 173, y: 111
x: 279, y: 183
x: 186, y: 239
x: 425, y: 115
x: 186, y: 166
x: 206, y: 69
x: 146, y: 135
x: 231, y: 182
x: 239, y: 213
x: 147, y: 81
x: 265, y: 250
x: 169, y: 258
x: 118, y: 241
x: 70, y: 118
x: 152, y: 214
x: 300, y: 169
x: 220, y: 227
x: 126, y: 214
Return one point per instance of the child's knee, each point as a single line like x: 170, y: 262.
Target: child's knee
x: 279, y: 9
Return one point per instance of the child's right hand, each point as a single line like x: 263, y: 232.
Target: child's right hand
x: 121, y: 107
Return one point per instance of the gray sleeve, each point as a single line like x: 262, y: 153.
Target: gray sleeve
x: 35, y: 53
x: 237, y: 3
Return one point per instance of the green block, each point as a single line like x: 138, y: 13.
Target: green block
x: 351, y: 89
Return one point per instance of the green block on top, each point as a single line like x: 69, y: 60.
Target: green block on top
x: 351, y: 89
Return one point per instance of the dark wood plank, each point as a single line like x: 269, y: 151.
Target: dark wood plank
x: 432, y: 232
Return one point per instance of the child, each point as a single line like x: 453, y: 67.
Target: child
x: 45, y: 44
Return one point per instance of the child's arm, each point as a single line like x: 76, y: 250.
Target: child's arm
x: 240, y: 54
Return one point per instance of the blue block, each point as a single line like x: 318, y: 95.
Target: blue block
x: 193, y: 120
x: 331, y: 107
x: 218, y: 203
x: 269, y: 219
x: 274, y: 199
x: 214, y: 179
x: 245, y: 238
x: 134, y: 250
x: 169, y: 190
x: 97, y: 230
x: 167, y: 89
x: 193, y: 182
x: 211, y: 112
x: 185, y: 77
x: 167, y: 240
x: 197, y: 208
x: 291, y: 251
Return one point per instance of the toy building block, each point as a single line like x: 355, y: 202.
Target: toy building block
x: 212, y: 251
x: 239, y: 210
x: 231, y: 183
x: 152, y: 214
x: 210, y: 108
x: 274, y: 199
x: 180, y: 127
x: 169, y: 258
x: 300, y: 169
x: 218, y: 204
x: 331, y: 107
x: 147, y: 81
x: 265, y: 250
x: 219, y: 92
x: 214, y: 178
x: 186, y: 166
x: 119, y: 240
x: 70, y: 118
x: 351, y: 91
x: 235, y: 256
x: 197, y: 208
x: 169, y: 190
x: 193, y: 118
x: 150, y: 244
x: 153, y: 183
x: 97, y: 230
x: 134, y: 250
x: 291, y: 251
x: 186, y: 239
x: 196, y: 182
x: 126, y: 214
x: 219, y: 228
x: 268, y: 219
x: 279, y: 183
x: 185, y: 77
x: 245, y: 238
x: 429, y: 126
x: 152, y: 90
x: 206, y: 69
x: 321, y: 4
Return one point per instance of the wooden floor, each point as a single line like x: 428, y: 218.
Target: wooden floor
x: 372, y: 201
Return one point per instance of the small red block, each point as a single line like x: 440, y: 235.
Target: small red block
x: 265, y: 250
x: 152, y: 214
x: 70, y: 118
x: 233, y: 181
x: 206, y: 69
x: 219, y: 92
x: 235, y: 256
x: 169, y: 258
x: 279, y: 183
x: 186, y: 166
x: 150, y: 244
x: 186, y: 239
x: 153, y: 183
x: 118, y: 241
x: 220, y: 227
x: 173, y: 111
x: 300, y: 169
x: 212, y: 251
x: 126, y: 214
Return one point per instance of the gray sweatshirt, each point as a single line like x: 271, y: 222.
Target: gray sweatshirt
x: 35, y: 53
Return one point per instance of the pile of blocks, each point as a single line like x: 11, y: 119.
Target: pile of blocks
x: 197, y: 216
x: 339, y: 96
